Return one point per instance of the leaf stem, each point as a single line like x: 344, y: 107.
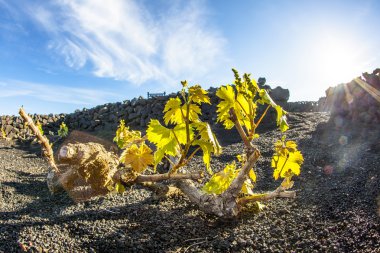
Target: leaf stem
x: 176, y: 138
x: 262, y: 116
x: 192, y: 154
x: 187, y: 122
x: 240, y: 129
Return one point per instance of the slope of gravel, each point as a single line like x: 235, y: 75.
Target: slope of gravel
x: 335, y: 209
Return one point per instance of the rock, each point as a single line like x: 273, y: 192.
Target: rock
x: 279, y: 94
x: 95, y: 123
x: 103, y: 110
x: 132, y: 116
x: 261, y: 82
x: 113, y: 118
x: 138, y: 109
x: 134, y: 102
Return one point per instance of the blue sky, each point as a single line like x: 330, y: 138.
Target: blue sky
x: 58, y: 56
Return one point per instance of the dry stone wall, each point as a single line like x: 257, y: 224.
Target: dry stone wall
x: 136, y: 113
x: 15, y: 128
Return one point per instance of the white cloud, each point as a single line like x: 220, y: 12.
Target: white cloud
x: 123, y: 40
x: 54, y: 93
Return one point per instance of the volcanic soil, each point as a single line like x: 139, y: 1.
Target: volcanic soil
x: 336, y: 208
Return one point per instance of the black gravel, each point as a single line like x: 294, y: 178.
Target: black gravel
x: 336, y: 208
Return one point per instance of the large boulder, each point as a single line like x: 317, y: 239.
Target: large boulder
x: 279, y: 94
x: 356, y: 102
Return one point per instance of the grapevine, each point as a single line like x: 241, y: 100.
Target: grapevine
x: 181, y: 135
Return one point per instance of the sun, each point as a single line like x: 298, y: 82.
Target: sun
x: 337, y: 60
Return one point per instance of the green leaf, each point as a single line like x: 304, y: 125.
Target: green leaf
x: 63, y: 130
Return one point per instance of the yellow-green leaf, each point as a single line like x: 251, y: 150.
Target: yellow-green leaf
x: 259, y: 206
x: 281, y: 118
x: 119, y: 188
x: 220, y: 181
x: 244, y: 110
x: 207, y: 149
x: 291, y: 146
x: 198, y: 95
x: 180, y: 133
x: 63, y: 130
x: 194, y: 111
x: 285, y: 166
x: 173, y: 113
x: 287, y: 183
x: 247, y: 187
x: 3, y: 134
x: 265, y: 98
x: 242, y: 158
x: 39, y: 126
x: 252, y: 175
x: 164, y: 138
x: 176, y: 113
x: 227, y: 96
x: 184, y: 84
x: 138, y: 157
x: 206, y: 134
x: 126, y: 137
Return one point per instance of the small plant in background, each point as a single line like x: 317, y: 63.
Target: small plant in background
x: 63, y: 130
x: 39, y: 126
x: 3, y: 134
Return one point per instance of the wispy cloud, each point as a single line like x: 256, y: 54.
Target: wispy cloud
x: 125, y: 40
x: 54, y: 93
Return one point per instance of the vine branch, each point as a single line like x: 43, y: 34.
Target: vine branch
x: 47, y: 150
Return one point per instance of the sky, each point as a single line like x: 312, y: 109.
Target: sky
x: 63, y: 55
